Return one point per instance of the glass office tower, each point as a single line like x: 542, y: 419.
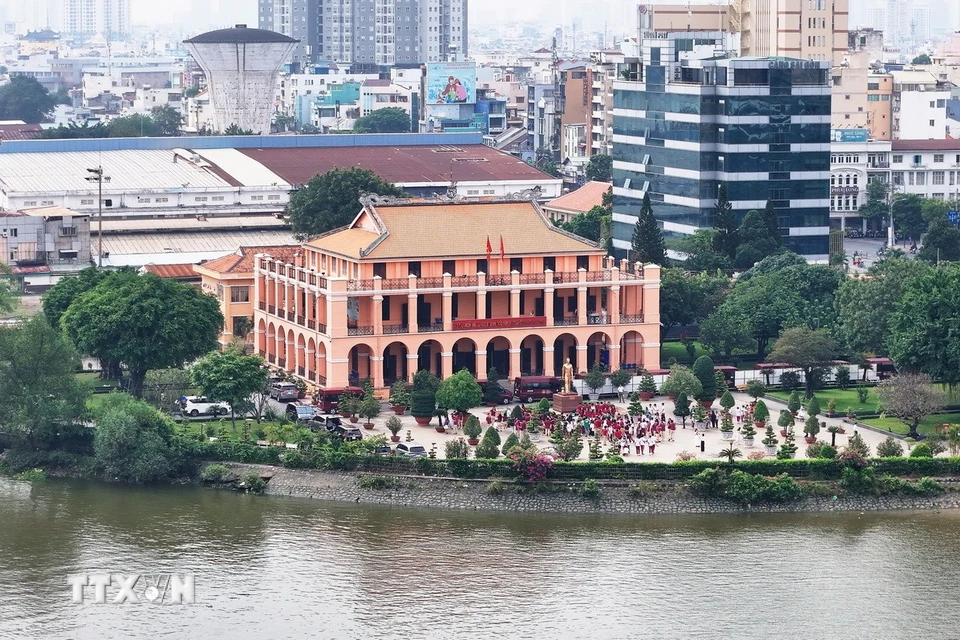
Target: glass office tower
x: 687, y: 118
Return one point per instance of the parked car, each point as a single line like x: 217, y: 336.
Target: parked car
x: 194, y: 406
x: 347, y: 433
x: 410, y: 450
x: 383, y: 450
x: 323, y: 423
x: 298, y: 412
x: 284, y: 391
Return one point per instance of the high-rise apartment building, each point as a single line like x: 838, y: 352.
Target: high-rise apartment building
x: 370, y: 32
x: 688, y: 119
x: 109, y: 18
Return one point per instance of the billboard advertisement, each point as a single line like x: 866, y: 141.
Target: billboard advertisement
x: 849, y: 135
x: 451, y: 83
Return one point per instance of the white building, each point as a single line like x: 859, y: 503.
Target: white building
x: 108, y: 18
x: 919, y: 106
x: 928, y: 168
x: 855, y: 160
x: 242, y: 67
x: 380, y: 94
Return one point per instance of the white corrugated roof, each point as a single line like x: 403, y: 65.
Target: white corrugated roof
x: 242, y: 167
x: 211, y: 223
x: 132, y: 169
x: 167, y: 243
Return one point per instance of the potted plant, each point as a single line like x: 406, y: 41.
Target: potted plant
x: 648, y: 388
x: 748, y: 433
x: 793, y: 405
x: 369, y: 408
x: 472, y: 430
x: 399, y: 397
x: 721, y: 382
x: 726, y: 426
x: 698, y: 413
x: 345, y: 404
x: 533, y: 427
x: 760, y: 414
x: 681, y: 380
x: 423, y: 397
x: 810, y: 429
x: 620, y: 378
x: 594, y: 380
x: 727, y: 401
x: 394, y: 426
x: 635, y: 407
x: 703, y: 370
x: 832, y: 408
x: 681, y: 408
x: 785, y: 422
x: 756, y: 389
x: 770, y: 442
x: 850, y: 414
x: 492, y: 391
x: 301, y: 387
x: 788, y: 449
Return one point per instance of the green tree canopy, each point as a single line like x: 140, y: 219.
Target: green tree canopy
x: 703, y: 369
x: 726, y: 331
x: 167, y: 119
x: 135, y: 125
x: 460, y: 392
x: 687, y: 298
x: 647, y: 241
x: 755, y: 241
x: 701, y: 252
x: 600, y: 168
x: 24, y: 98
x: 589, y: 225
x: 331, y: 200
x: 940, y: 243
x: 924, y: 329
x: 806, y: 350
x: 42, y: 399
x: 57, y: 299
x: 132, y: 441
x: 726, y: 239
x: 876, y: 207
x: 921, y: 59
x: 144, y: 322
x: 773, y: 223
x: 908, y: 215
x: 74, y: 131
x: 230, y: 376
x: 388, y: 120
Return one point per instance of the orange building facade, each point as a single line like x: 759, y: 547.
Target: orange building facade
x: 444, y: 285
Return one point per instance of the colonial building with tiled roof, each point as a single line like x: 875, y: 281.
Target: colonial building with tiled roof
x: 445, y: 285
x: 590, y: 195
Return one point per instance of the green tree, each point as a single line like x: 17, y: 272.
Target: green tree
x: 75, y: 131
x: 806, y: 350
x: 688, y: 298
x: 600, y: 168
x: 911, y: 397
x: 941, y: 243
x: 726, y: 331
x: 167, y: 120
x: 703, y: 369
x: 589, y: 225
x: 700, y: 252
x: 132, y: 441
x: 460, y: 392
x: 647, y: 242
x: 726, y: 238
x: 191, y: 92
x: 924, y: 332
x: 42, y: 398
x: 876, y: 207
x: 145, y: 322
x: 57, y: 299
x: 772, y: 223
x: 230, y: 376
x: 681, y: 408
x: 755, y: 241
x: 135, y: 125
x: 236, y: 130
x: 908, y: 215
x: 489, y: 447
x: 24, y: 98
x: 921, y: 59
x: 388, y: 120
x: 331, y: 200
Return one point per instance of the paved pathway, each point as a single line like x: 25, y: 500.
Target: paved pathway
x: 665, y: 452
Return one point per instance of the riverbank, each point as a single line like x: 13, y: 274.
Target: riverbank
x: 613, y: 497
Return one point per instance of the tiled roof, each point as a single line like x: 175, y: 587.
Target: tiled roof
x: 173, y: 271
x: 20, y: 131
x: 412, y: 164
x: 241, y: 261
x: 377, y: 82
x: 451, y: 230
x: 582, y: 200
x: 948, y: 144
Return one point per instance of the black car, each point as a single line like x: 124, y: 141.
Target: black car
x: 347, y: 434
x: 324, y: 423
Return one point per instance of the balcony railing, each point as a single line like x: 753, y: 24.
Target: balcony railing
x: 262, y: 353
x: 566, y: 322
x: 321, y: 379
x: 394, y: 329
x: 321, y: 327
x: 532, y: 278
x: 272, y: 310
x: 598, y: 276
x: 359, y: 285
x: 395, y: 283
x: 263, y: 306
x: 499, y: 323
x: 631, y: 318
x: 272, y: 358
x: 301, y: 321
x: 498, y: 280
x: 565, y: 276
x: 281, y: 362
x: 301, y: 371
x: 429, y: 328
x: 359, y: 331
x: 430, y: 283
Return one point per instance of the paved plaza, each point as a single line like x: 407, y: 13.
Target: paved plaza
x: 684, y: 440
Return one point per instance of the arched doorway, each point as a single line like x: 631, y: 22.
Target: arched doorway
x: 394, y: 363
x: 281, y: 348
x: 360, y: 364
x: 428, y: 357
x: 301, y: 355
x: 564, y: 347
x: 321, y: 363
x: 598, y: 350
x: 531, y: 356
x: 291, y: 352
x: 465, y: 356
x: 498, y: 356
x: 262, y: 338
x: 631, y: 352
x: 271, y: 343
x: 310, y: 357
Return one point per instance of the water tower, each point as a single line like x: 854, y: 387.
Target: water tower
x: 242, y: 66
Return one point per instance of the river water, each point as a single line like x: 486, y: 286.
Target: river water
x: 285, y: 568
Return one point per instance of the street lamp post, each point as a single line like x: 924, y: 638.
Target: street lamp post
x: 98, y: 177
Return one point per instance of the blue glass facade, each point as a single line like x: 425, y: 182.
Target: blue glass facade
x: 725, y: 118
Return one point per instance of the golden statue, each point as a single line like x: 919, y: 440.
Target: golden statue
x: 567, y: 377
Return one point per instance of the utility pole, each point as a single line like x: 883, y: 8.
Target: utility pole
x: 98, y: 177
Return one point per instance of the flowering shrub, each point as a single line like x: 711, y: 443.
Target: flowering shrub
x: 756, y: 455
x: 532, y: 465
x: 685, y: 456
x: 852, y: 459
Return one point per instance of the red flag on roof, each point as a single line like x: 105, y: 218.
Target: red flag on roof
x: 489, y: 248
x: 503, y: 253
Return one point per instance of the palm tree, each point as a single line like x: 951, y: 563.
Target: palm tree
x: 730, y: 454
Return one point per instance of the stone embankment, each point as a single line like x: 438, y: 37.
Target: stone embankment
x: 559, y: 497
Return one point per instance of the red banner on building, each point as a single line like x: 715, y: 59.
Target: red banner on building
x: 500, y: 323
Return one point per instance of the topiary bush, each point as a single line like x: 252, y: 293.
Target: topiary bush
x: 889, y: 448
x: 457, y: 449
x: 511, y: 441
x: 703, y: 370
x: 921, y: 450
x: 214, y: 473
x: 489, y: 447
